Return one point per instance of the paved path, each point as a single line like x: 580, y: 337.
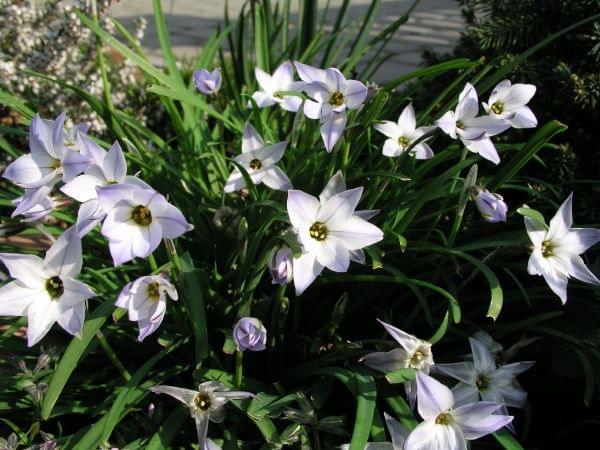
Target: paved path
x: 434, y: 24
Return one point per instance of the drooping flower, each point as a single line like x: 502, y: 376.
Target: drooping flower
x: 45, y: 290
x: 206, y: 404
x: 481, y: 378
x: 330, y: 96
x: 556, y: 250
x: 249, y: 333
x: 328, y: 232
x: 207, y: 82
x: 398, y: 434
x: 492, y: 206
x: 281, y: 265
x: 260, y: 163
x: 34, y: 204
x: 273, y: 88
x: 446, y: 427
x: 508, y: 102
x: 49, y: 158
x: 145, y: 300
x: 403, y: 134
x: 136, y: 220
x: 106, y: 167
x: 413, y: 353
x: 473, y: 131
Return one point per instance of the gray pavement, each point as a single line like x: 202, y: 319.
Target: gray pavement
x: 434, y: 24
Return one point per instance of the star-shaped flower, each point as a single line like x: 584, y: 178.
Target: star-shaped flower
x: 403, y: 134
x: 260, y: 163
x: 273, y: 88
x: 106, y: 167
x: 556, y: 250
x: 328, y: 232
x: 49, y: 158
x: 45, y: 290
x: 145, y: 300
x: 446, y: 427
x: 474, y: 131
x: 206, y: 404
x: 508, y: 102
x: 136, y: 220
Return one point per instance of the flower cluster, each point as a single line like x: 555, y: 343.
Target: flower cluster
x: 135, y: 218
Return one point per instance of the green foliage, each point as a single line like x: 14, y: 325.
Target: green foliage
x: 441, y: 271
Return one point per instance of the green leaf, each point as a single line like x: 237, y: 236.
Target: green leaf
x: 73, y: 354
x: 401, y: 375
x: 365, y: 407
x: 532, y: 214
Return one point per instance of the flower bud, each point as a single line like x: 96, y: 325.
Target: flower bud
x: 491, y: 206
x: 249, y: 334
x: 281, y: 266
x: 207, y: 82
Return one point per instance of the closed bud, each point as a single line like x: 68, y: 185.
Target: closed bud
x: 281, y: 266
x: 491, y: 206
x: 249, y: 334
x: 207, y: 82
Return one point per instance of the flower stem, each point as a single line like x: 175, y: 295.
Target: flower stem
x: 152, y: 262
x: 239, y: 357
x: 112, y: 356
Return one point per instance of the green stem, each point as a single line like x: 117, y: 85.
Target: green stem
x: 239, y: 368
x: 152, y: 263
x: 112, y: 356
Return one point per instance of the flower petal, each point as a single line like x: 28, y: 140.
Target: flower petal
x: 64, y: 256
x: 73, y: 163
x: 306, y: 270
x: 354, y: 93
x: 562, y: 221
x: 15, y: 298
x: 468, y: 104
x: 332, y: 129
x: 276, y: 179
x: 83, y: 187
x: 355, y: 233
x: 72, y: 319
x: 485, y: 148
x: 388, y: 128
x: 407, y: 121
x: 462, y: 371
x: 433, y: 397
x: 29, y: 269
x: 334, y: 186
x: 251, y: 140
x: 578, y: 269
x: 172, y: 222
x: 25, y: 172
x: 283, y: 76
x: 40, y: 318
x: 185, y: 396
x: 308, y: 73
x: 519, y: 95
x: 264, y: 80
x: 386, y: 361
x: 302, y: 208
x: 114, y: 164
x: 476, y: 420
x: 482, y: 357
x: 524, y: 118
x: 447, y: 123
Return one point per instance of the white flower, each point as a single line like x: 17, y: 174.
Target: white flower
x: 473, y: 131
x: 35, y: 204
x: 105, y: 168
x: 49, y: 157
x: 46, y: 291
x: 508, y: 102
x: 145, y: 300
x: 413, y: 353
x: 328, y: 232
x: 331, y: 95
x: 446, y: 427
x: 136, y: 220
x: 206, y: 404
x: 501, y: 356
x: 482, y: 378
x: 273, y: 86
x: 556, y: 250
x: 403, y: 134
x: 259, y: 161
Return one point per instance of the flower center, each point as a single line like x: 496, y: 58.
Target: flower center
x: 460, y: 124
x: 318, y: 231
x: 403, y: 141
x: 482, y: 383
x: 255, y: 164
x: 141, y: 215
x: 497, y: 107
x: 444, y: 419
x: 417, y: 357
x: 277, y: 94
x: 547, y: 249
x: 337, y: 98
x: 55, y: 287
x: 202, y: 401
x: 153, y: 291
x: 55, y: 163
